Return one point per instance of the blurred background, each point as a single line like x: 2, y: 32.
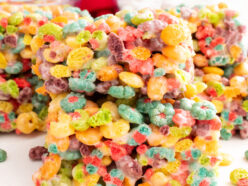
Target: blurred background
x: 99, y: 7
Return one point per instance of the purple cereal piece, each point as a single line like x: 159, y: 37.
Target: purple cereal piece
x: 74, y: 143
x: 164, y: 130
x: 199, y: 72
x: 116, y: 46
x: 36, y: 153
x: 103, y: 87
x: 56, y: 86
x: 44, y: 69
x: 25, y: 95
x: 154, y: 26
x: 244, y: 130
x: 84, y: 150
x: 225, y: 81
x: 131, y: 168
x: 11, y: 41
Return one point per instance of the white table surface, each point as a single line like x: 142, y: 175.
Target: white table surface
x: 17, y: 170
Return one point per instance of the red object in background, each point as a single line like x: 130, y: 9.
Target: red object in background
x: 98, y: 7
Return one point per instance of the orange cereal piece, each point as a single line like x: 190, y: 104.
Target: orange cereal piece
x: 107, y: 73
x: 141, y: 53
x: 156, y: 88
x: 50, y: 167
x: 91, y: 136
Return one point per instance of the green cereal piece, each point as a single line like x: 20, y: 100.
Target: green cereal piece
x: 196, y: 153
x: 43, y: 113
x: 71, y: 28
x: 128, y: 17
x: 78, y: 174
x: 10, y: 29
x: 85, y: 13
x: 83, y: 37
x: 98, y: 63
x: 186, y: 104
x: 82, y: 23
x: 2, y: 30
x: 66, y: 168
x: 117, y: 174
x: 53, y: 149
x: 91, y: 169
x: 204, y: 110
x: 105, y: 16
x: 219, y: 87
x: 79, y: 85
x: 102, y: 53
x: 50, y: 29
x: 225, y: 134
x: 130, y: 114
x: 20, y: 46
x: 245, y: 105
x: 163, y: 152
x: 46, y: 14
x: 70, y: 155
x: 102, y: 117
x: 12, y: 88
x: 139, y: 18
x: 162, y: 114
x: 144, y: 129
x: 80, y: 124
x: 97, y: 153
x: 3, y: 155
x: 88, y: 75
x: 246, y: 154
x: 219, y: 61
x: 14, y: 69
x: 228, y: 71
x: 144, y: 105
x: 159, y: 72
x: 121, y: 92
x: 16, y: 18
x: 102, y: 39
x: 72, y: 102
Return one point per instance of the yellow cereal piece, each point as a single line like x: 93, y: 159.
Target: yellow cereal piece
x: 235, y: 51
x: 78, y: 57
x: 131, y: 79
x: 218, y: 105
x: 91, y: 136
x: 159, y: 179
x: 60, y: 71
x: 213, y: 70
x: 36, y: 43
x: 141, y: 53
x: 60, y: 19
x: 231, y: 92
x: 62, y: 128
x: 41, y: 90
x: 200, y: 86
x: 171, y: 167
x: 174, y: 34
x: 6, y: 106
x: 183, y: 145
x: 26, y: 53
x: 106, y: 160
x: 24, y: 107
x: 27, y: 122
x: 211, y: 77
x: 191, y: 90
x: 72, y: 42
x: 3, y: 61
x: 177, y: 53
x: 112, y: 107
x: 226, y: 159
x: 241, y: 69
x: 27, y: 39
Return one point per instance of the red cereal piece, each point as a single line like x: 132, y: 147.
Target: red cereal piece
x: 96, y: 161
x: 87, y: 160
x: 107, y: 178
x: 128, y: 148
x: 21, y: 83
x: 148, y: 173
x: 4, y: 22
x: 102, y: 171
x: 232, y: 116
x: 166, y: 17
x: 183, y: 118
x: 243, y: 182
x: 139, y: 138
x: 117, y: 181
x: 27, y: 20
x: 49, y: 38
x: 142, y: 149
x: 204, y: 183
x: 26, y: 64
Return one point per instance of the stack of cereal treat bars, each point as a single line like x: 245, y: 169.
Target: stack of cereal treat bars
x: 123, y: 97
